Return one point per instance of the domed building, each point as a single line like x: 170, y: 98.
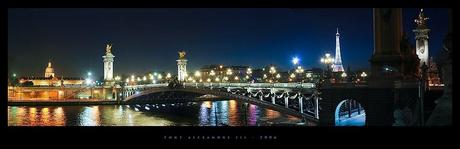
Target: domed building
x: 50, y: 79
x: 49, y: 71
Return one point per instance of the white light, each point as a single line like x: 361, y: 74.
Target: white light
x: 197, y: 74
x: 363, y: 74
x: 295, y: 60
x: 144, y: 78
x: 160, y: 76
x: 88, y: 81
x: 278, y: 76
x: 89, y: 74
x: 168, y: 75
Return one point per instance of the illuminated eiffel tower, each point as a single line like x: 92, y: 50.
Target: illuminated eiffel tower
x: 337, y: 67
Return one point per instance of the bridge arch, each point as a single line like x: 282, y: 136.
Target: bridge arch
x: 224, y: 95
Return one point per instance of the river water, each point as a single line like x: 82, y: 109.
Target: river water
x: 204, y: 113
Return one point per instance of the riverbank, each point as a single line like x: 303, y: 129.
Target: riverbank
x: 60, y: 103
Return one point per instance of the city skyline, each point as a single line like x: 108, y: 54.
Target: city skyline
x: 74, y: 39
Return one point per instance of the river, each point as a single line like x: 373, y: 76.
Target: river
x: 204, y: 113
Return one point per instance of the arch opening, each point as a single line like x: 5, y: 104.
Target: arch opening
x: 350, y: 113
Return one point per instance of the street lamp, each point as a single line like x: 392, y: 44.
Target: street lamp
x: 344, y: 75
x: 197, y: 74
x: 249, y: 71
x: 159, y: 76
x: 327, y: 60
x: 168, y: 75
x: 212, y: 73
x: 229, y: 71
x: 363, y: 74
x: 295, y: 60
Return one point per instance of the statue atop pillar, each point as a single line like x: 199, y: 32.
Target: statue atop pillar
x: 108, y: 48
x: 182, y: 54
x: 421, y: 20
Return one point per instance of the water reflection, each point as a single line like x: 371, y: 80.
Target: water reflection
x: 207, y: 113
x: 90, y: 116
x: 35, y: 116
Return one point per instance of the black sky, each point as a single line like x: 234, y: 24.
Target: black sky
x: 148, y: 39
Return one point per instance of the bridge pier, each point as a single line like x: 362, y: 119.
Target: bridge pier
x: 273, y: 98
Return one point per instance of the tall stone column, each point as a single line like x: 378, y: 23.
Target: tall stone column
x: 181, y: 67
x: 421, y: 38
x: 386, y: 60
x: 108, y: 65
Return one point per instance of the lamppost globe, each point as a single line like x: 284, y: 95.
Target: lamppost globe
x: 295, y: 60
x: 363, y: 74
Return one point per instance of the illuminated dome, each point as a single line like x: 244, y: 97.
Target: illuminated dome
x: 49, y: 71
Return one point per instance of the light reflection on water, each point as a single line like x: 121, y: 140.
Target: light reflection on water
x: 206, y: 113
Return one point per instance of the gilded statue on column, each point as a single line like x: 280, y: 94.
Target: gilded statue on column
x: 181, y: 54
x: 108, y: 48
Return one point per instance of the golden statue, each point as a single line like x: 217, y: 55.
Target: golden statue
x: 421, y: 19
x: 181, y: 54
x: 108, y: 48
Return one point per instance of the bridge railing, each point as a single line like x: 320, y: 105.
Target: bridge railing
x: 261, y: 85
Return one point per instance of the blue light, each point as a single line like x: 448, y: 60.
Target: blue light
x: 295, y: 60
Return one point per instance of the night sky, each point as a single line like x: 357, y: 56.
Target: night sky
x: 148, y: 39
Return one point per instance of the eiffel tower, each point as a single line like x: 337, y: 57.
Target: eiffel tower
x: 337, y: 67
